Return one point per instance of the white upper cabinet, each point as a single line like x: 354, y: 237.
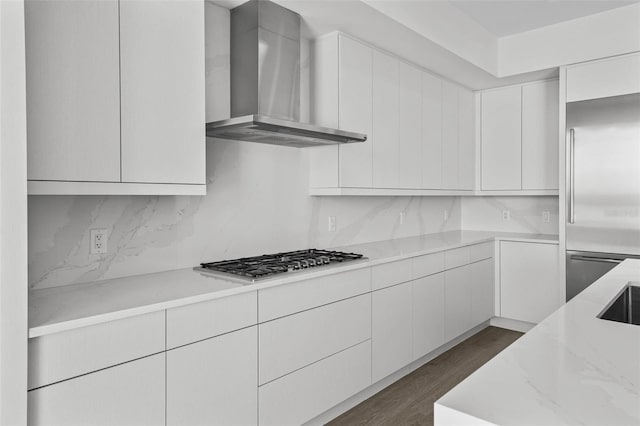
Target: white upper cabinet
x: 342, y: 98
x: 73, y: 102
x: 540, y: 136
x: 420, y: 128
x: 466, y: 139
x: 431, y: 132
x: 355, y: 112
x: 386, y: 121
x: 501, y: 132
x: 615, y: 76
x: 162, y: 91
x: 410, y: 132
x: 519, y: 138
x: 450, y: 150
x: 115, y: 97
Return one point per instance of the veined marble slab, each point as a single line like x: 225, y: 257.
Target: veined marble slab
x: 571, y: 369
x: 57, y: 309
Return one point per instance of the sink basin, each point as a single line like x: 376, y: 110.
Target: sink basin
x: 625, y: 307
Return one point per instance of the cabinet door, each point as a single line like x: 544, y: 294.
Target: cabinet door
x: 391, y: 330
x: 410, y: 131
x: 385, y: 121
x: 428, y: 314
x: 529, y: 280
x: 431, y: 132
x: 615, y: 76
x: 295, y: 341
x: 482, y: 291
x: 162, y: 89
x: 128, y: 394
x: 450, y: 151
x: 501, y: 139
x: 457, y: 298
x: 355, y: 103
x: 310, y: 391
x: 73, y: 102
x: 214, y: 381
x: 466, y: 139
x: 540, y: 135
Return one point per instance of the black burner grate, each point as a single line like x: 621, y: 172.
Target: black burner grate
x: 271, y: 264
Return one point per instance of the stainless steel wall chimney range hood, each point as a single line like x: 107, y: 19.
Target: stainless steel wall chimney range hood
x: 265, y: 82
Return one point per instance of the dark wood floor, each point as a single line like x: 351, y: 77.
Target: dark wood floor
x: 409, y: 401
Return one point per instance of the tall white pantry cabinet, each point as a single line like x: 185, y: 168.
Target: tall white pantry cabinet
x: 420, y: 128
x: 115, y: 97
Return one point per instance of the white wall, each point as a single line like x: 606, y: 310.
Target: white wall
x: 257, y: 203
x: 485, y: 213
x: 13, y: 210
x: 447, y: 26
x: 605, y: 34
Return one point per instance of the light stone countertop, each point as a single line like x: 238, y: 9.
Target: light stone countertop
x: 63, y: 308
x: 571, y: 369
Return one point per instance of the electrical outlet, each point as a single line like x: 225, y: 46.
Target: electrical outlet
x: 332, y: 224
x: 98, y: 243
x: 446, y: 214
x: 506, y: 215
x: 546, y: 216
x: 402, y: 218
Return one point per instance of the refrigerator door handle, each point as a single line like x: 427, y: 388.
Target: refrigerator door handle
x: 572, y: 145
x: 596, y: 259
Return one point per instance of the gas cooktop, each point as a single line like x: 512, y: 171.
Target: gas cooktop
x: 253, y: 269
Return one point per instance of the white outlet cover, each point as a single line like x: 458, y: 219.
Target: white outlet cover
x: 98, y: 241
x: 332, y: 224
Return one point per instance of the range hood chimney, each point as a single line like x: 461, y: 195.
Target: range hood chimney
x: 265, y: 82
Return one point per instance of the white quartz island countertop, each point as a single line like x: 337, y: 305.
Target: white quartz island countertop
x: 63, y: 308
x: 571, y: 369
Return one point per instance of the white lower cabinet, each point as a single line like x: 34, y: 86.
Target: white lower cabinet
x: 457, y: 297
x: 482, y: 291
x: 391, y: 329
x: 295, y: 341
x: 530, y: 287
x: 214, y: 381
x: 428, y: 314
x: 306, y: 393
x: 132, y: 393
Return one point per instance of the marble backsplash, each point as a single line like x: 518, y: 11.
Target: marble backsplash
x: 257, y: 202
x: 485, y: 213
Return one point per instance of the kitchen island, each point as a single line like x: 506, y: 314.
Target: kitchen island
x: 572, y: 368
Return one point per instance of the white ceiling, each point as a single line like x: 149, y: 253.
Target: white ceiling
x: 507, y: 17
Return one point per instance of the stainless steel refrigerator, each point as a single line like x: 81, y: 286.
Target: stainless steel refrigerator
x: 603, y: 187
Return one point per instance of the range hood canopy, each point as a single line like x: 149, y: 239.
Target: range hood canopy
x: 265, y: 82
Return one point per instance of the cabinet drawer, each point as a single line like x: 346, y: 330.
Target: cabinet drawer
x: 59, y: 356
x: 391, y: 273
x: 306, y: 393
x: 128, y: 394
x: 284, y: 300
x: 428, y: 265
x: 295, y: 341
x: 481, y: 251
x: 191, y: 323
x: 456, y: 257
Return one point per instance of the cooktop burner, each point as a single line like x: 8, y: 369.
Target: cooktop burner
x: 256, y: 268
